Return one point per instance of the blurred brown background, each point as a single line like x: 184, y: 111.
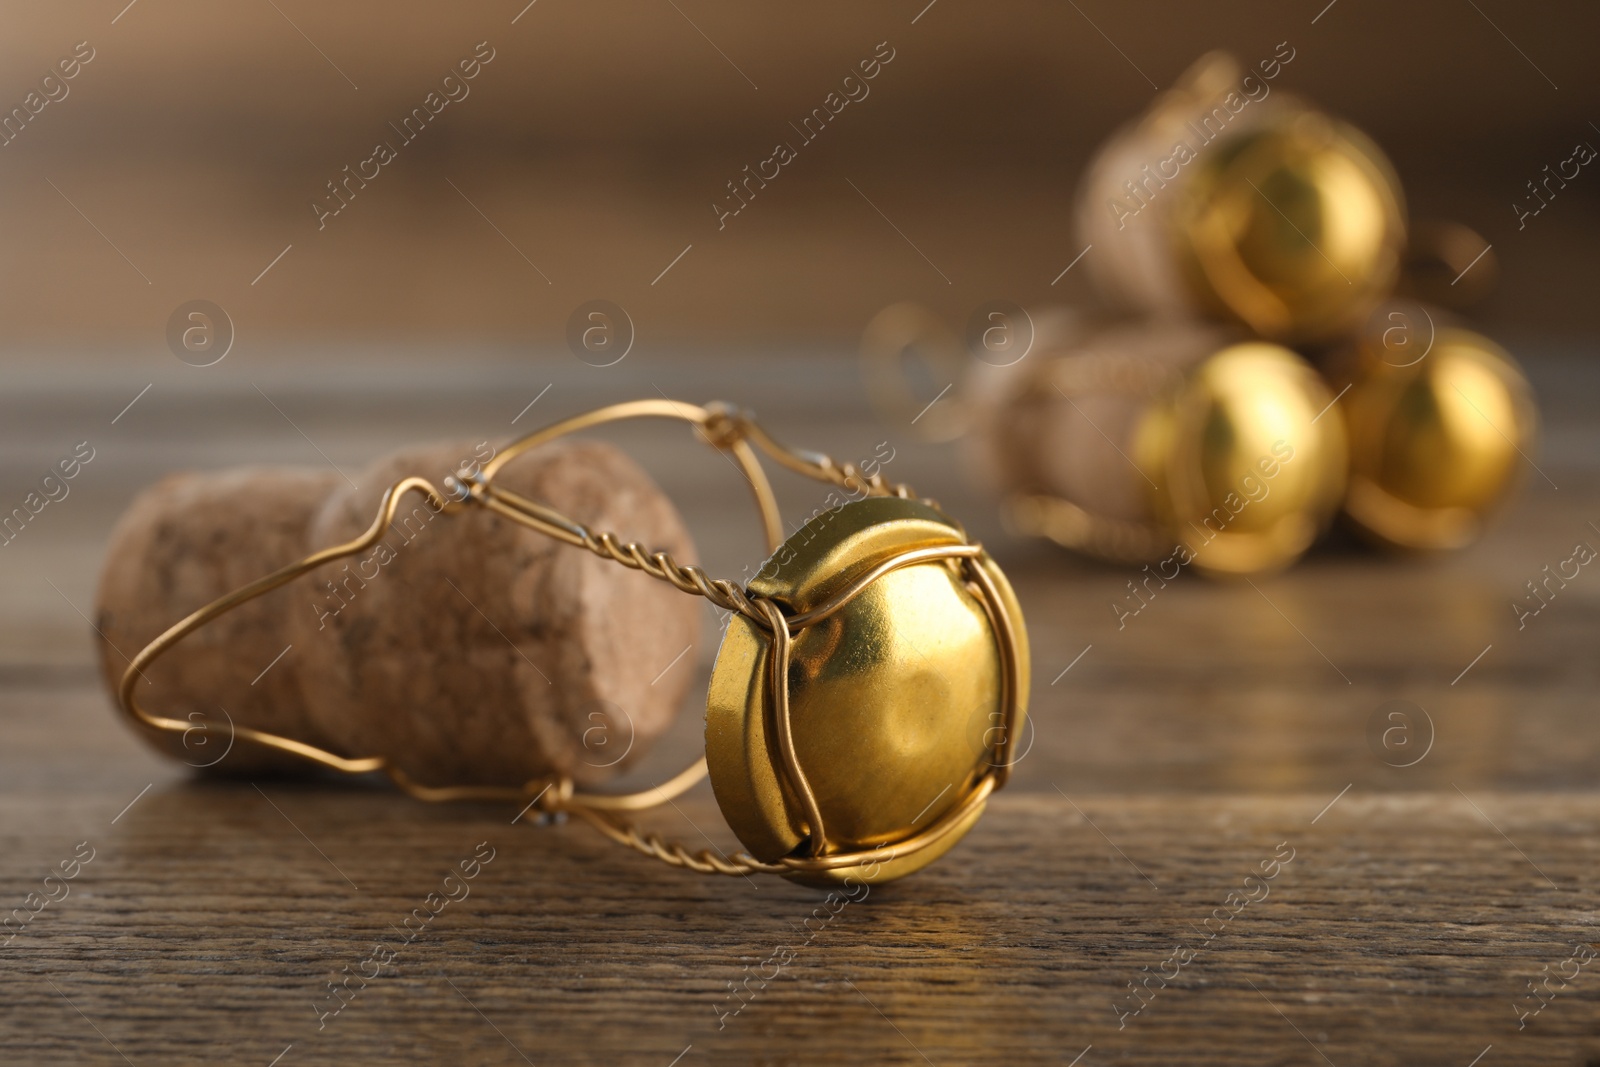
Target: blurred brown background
x: 601, y: 133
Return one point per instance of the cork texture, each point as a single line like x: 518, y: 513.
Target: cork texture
x: 462, y: 646
x: 185, y: 541
x: 468, y: 648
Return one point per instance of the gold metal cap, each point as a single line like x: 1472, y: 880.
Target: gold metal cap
x: 1294, y: 228
x: 889, y: 703
x: 1437, y: 442
x: 1244, y: 470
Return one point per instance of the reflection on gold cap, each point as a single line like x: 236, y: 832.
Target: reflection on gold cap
x: 1295, y: 229
x: 1247, y: 474
x: 1233, y: 200
x: 1437, y: 442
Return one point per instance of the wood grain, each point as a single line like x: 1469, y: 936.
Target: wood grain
x: 1402, y: 932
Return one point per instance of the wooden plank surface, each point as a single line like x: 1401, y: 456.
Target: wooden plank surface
x: 1223, y: 727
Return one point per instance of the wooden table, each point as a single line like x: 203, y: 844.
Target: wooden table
x: 1225, y: 727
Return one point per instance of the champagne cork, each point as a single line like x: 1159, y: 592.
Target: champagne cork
x: 1172, y: 443
x: 463, y: 647
x: 1230, y: 199
x: 1134, y: 441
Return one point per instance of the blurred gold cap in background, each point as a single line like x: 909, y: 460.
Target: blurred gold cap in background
x: 1231, y: 199
x: 1295, y: 230
x: 1248, y: 473
x: 1435, y: 442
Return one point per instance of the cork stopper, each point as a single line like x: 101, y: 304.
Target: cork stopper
x: 463, y: 647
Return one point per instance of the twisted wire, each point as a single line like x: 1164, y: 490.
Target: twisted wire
x: 674, y: 853
x: 723, y: 428
x: 725, y: 425
x: 848, y: 476
x: 687, y: 577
